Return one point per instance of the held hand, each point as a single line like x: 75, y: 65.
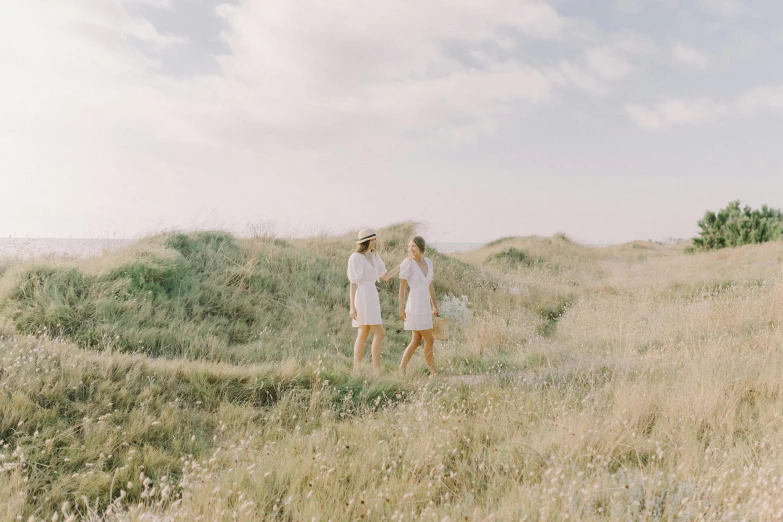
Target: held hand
x: 435, y: 311
x: 403, y: 316
x: 354, y: 314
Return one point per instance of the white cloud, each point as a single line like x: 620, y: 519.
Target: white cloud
x: 305, y: 96
x: 689, y: 56
x: 762, y: 98
x: 322, y: 111
x: 643, y: 117
x: 677, y: 112
x: 294, y: 76
x: 726, y: 8
x: 759, y: 100
x: 608, y: 63
x: 611, y: 60
x: 160, y: 4
x: 146, y: 32
x: 632, y: 43
x: 569, y: 73
x: 628, y: 6
x: 690, y: 111
x: 334, y: 70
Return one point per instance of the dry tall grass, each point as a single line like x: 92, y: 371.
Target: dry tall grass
x: 622, y: 383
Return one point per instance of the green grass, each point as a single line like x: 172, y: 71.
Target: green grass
x: 210, y: 296
x: 89, y: 424
x: 166, y: 324
x: 512, y: 257
x: 607, y: 388
x: 137, y: 362
x: 551, y: 313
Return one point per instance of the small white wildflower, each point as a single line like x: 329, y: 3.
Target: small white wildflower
x: 456, y: 308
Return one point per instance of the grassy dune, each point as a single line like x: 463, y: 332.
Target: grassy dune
x: 208, y: 376
x: 210, y: 296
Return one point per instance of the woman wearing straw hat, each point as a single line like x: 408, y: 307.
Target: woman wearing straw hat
x: 365, y: 268
x: 416, y: 272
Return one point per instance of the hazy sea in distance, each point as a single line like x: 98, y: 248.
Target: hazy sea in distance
x: 29, y: 248
x: 450, y: 247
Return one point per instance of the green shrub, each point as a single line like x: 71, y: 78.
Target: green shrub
x: 735, y: 226
x: 512, y: 257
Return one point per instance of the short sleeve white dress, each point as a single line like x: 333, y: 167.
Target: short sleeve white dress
x: 418, y: 309
x: 365, y: 274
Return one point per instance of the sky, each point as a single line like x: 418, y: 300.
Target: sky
x: 606, y: 120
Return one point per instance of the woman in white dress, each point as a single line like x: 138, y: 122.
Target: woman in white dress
x: 365, y: 268
x: 416, y: 272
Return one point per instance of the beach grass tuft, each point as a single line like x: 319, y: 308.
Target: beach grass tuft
x: 630, y: 382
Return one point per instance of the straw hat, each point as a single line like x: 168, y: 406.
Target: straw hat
x: 366, y: 234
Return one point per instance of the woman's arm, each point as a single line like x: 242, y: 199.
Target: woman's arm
x: 403, y: 285
x: 433, y: 300
x: 391, y: 273
x: 352, y: 297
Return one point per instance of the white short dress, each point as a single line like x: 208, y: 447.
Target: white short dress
x: 418, y: 309
x: 365, y: 275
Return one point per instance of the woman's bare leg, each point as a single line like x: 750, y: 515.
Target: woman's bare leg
x: 410, y: 349
x: 358, y: 348
x: 428, y: 355
x: 377, y: 342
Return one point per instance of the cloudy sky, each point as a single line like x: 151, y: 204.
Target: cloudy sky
x: 609, y: 120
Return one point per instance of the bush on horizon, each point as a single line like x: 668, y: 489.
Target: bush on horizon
x: 734, y: 226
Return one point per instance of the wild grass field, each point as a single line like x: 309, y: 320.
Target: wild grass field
x: 206, y: 377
